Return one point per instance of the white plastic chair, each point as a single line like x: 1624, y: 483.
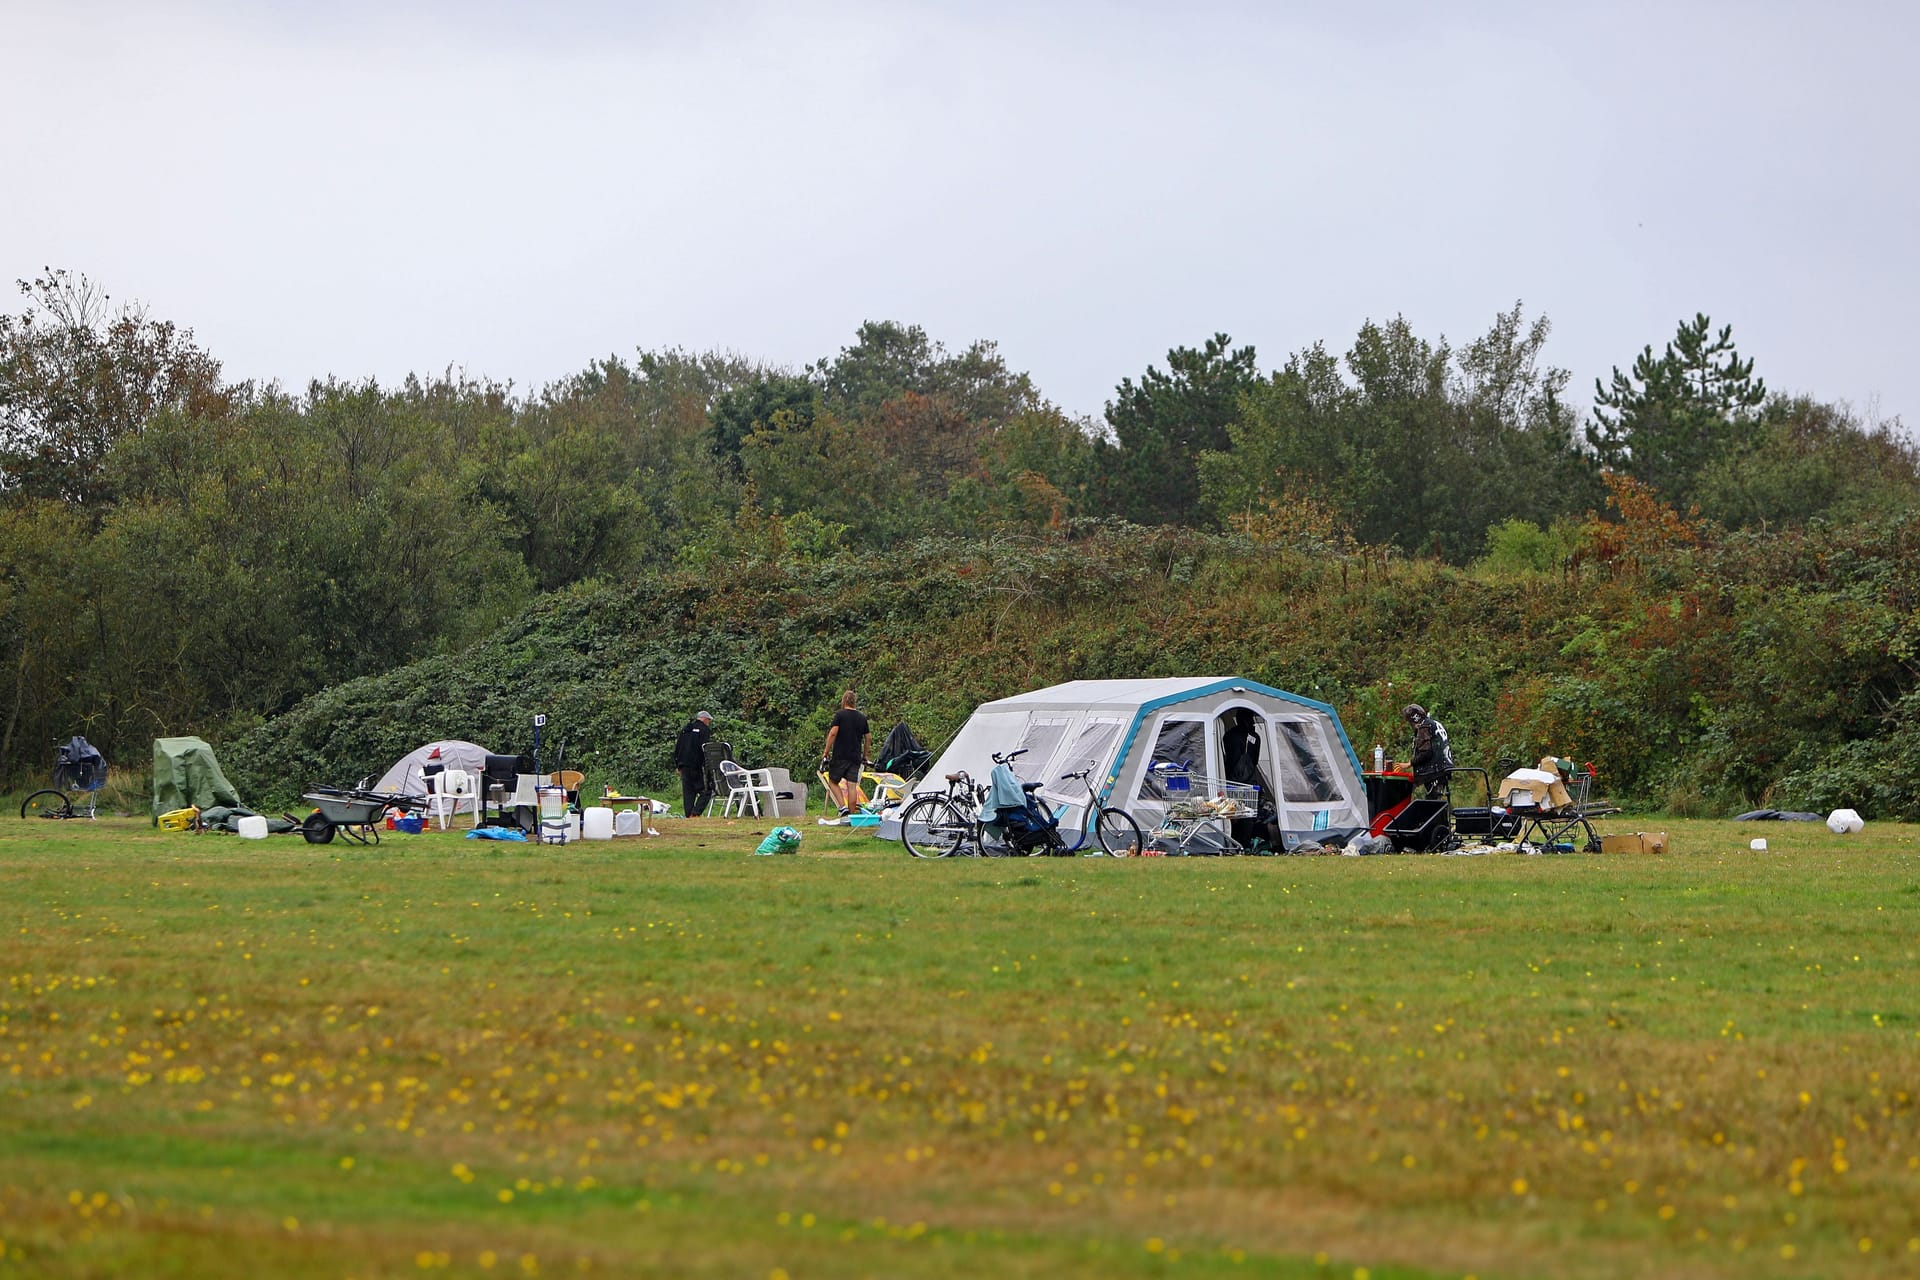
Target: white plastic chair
x: 525, y: 794
x: 745, y: 787
x: 447, y: 790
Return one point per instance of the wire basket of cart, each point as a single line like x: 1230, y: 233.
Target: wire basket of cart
x: 1200, y: 813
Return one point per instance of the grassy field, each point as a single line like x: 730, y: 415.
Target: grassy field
x: 234, y: 1058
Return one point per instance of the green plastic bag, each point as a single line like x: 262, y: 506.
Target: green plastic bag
x: 780, y: 840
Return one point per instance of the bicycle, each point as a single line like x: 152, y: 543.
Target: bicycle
x: 1114, y: 830
x: 78, y: 766
x: 948, y: 822
x: 945, y: 820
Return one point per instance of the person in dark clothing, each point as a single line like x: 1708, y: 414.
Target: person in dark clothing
x: 1432, y: 752
x: 1241, y: 749
x: 846, y: 752
x: 690, y: 758
x: 1240, y: 758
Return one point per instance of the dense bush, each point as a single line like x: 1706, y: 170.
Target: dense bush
x: 1644, y: 666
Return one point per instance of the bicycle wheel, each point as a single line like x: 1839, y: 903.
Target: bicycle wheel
x: 994, y: 843
x: 47, y: 804
x: 1118, y: 833
x: 932, y: 828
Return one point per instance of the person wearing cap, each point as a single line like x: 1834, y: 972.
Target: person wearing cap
x: 690, y: 758
x: 1432, y: 751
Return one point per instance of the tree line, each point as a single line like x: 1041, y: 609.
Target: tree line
x: 184, y: 553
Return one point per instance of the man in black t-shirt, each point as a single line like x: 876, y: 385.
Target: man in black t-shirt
x: 846, y: 752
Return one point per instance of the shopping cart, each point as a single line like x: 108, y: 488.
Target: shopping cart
x: 1200, y: 813
x: 1551, y: 829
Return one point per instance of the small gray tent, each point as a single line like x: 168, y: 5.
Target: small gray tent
x: 185, y: 772
x: 408, y: 773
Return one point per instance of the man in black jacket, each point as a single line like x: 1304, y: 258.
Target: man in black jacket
x: 1432, y: 751
x: 690, y: 758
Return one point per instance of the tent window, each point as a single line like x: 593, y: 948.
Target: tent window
x: 1093, y: 746
x: 1307, y: 775
x: 1180, y: 742
x: 1040, y: 741
x: 1086, y: 749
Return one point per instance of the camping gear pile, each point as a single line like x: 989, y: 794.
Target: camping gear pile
x: 186, y: 774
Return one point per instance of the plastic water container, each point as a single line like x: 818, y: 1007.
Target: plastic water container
x: 253, y: 827
x: 1758, y: 846
x: 627, y: 822
x: 598, y: 823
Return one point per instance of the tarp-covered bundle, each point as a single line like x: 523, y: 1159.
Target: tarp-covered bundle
x: 408, y: 774
x: 1121, y: 728
x: 80, y: 766
x: 185, y: 772
x: 902, y: 753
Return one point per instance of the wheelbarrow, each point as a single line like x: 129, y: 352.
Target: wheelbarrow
x: 352, y: 812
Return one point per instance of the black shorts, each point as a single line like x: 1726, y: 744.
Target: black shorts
x: 843, y: 771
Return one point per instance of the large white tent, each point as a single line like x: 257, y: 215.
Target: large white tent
x: 1120, y: 728
x: 408, y: 772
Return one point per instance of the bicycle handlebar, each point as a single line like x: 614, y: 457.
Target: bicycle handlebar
x: 1010, y: 757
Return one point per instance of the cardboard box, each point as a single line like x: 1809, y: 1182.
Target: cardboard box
x: 1638, y: 842
x: 1533, y: 789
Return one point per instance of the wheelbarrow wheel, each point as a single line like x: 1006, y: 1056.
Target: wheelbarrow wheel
x: 317, y: 829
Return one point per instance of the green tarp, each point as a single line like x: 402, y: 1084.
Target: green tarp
x: 185, y: 773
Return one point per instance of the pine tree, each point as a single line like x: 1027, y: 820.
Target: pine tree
x: 1674, y: 413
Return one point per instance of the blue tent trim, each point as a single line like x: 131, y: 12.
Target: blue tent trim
x: 1148, y: 709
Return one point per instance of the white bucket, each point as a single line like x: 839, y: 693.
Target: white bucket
x: 598, y: 824
x: 627, y: 822
x: 253, y: 827
x: 1758, y: 846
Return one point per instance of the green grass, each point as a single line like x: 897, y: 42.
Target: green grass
x: 233, y: 1058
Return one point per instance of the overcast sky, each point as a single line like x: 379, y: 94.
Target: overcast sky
x: 517, y: 188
